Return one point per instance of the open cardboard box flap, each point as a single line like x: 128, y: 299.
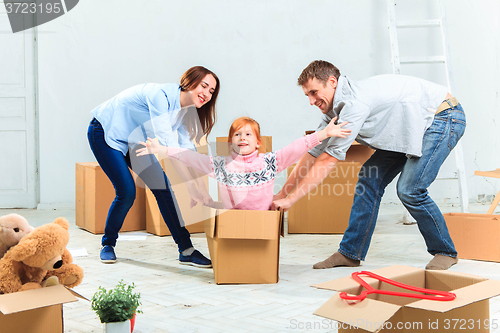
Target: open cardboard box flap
x: 235, y: 226
x: 468, y: 288
x: 466, y: 295
x: 37, y: 298
x: 472, y: 216
x: 370, y: 310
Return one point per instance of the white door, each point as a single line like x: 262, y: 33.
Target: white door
x: 18, y: 154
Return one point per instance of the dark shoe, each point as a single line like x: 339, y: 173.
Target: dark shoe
x: 108, y: 254
x: 195, y: 259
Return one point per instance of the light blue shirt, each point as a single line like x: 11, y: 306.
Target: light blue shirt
x: 146, y: 110
x: 389, y: 112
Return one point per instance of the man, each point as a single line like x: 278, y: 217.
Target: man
x: 412, y: 131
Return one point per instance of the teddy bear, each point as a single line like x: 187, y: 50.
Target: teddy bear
x: 38, y: 256
x: 13, y: 227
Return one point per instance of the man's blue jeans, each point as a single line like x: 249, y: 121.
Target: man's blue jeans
x: 417, y: 173
x: 116, y: 167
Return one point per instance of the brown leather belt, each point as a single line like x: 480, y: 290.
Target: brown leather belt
x: 447, y: 104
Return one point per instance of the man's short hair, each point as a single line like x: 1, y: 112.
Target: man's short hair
x: 319, y: 69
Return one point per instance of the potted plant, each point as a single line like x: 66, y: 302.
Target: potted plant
x: 116, y: 307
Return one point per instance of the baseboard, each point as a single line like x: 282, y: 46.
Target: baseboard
x: 56, y: 206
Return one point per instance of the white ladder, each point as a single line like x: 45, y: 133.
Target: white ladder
x: 397, y: 61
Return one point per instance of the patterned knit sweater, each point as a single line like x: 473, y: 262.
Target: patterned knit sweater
x: 246, y: 181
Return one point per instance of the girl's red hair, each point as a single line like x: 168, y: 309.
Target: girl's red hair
x: 240, y: 122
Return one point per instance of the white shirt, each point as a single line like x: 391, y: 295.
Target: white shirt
x: 388, y: 112
x: 146, y: 110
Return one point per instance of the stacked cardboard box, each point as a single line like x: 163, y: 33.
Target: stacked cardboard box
x: 476, y: 236
x: 384, y: 313
x: 244, y: 244
x: 326, y: 209
x: 192, y: 216
x: 35, y: 311
x: 94, y: 195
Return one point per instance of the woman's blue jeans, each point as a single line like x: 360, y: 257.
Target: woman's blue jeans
x: 116, y: 167
x: 417, y: 173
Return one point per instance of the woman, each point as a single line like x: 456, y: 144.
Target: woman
x: 158, y: 110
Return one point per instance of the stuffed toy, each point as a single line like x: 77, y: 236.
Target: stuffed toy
x: 12, y: 228
x: 38, y: 256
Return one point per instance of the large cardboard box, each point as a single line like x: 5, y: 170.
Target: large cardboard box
x: 323, y: 212
x: 358, y: 153
x: 193, y: 217
x: 476, y: 236
x: 383, y: 313
x: 244, y: 244
x: 326, y: 209
x: 94, y: 195
x: 224, y: 148
x: 35, y: 311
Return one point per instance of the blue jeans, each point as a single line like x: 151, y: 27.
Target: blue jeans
x: 417, y: 173
x: 116, y: 167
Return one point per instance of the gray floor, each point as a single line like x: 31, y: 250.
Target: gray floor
x: 179, y: 298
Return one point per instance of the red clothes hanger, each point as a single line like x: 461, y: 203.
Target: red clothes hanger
x: 437, y: 294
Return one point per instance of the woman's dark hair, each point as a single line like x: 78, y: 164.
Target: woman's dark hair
x: 206, y: 114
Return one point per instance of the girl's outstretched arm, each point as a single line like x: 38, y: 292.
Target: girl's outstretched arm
x: 185, y: 157
x: 332, y: 130
x: 291, y: 153
x: 200, y: 162
x: 152, y: 147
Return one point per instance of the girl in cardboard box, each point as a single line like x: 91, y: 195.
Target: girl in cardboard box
x: 246, y: 178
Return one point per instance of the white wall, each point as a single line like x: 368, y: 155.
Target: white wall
x: 257, y: 49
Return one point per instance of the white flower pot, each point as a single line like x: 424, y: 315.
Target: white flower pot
x: 120, y: 327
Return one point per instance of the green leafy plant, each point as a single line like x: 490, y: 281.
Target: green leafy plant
x: 115, y: 305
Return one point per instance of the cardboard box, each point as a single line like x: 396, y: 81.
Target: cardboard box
x: 326, y: 209
x: 383, y: 313
x: 244, y: 244
x: 358, y: 153
x: 193, y: 217
x: 476, y: 236
x: 35, y: 311
x: 94, y: 195
x: 224, y: 148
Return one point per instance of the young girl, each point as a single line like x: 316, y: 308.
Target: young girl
x: 246, y: 178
